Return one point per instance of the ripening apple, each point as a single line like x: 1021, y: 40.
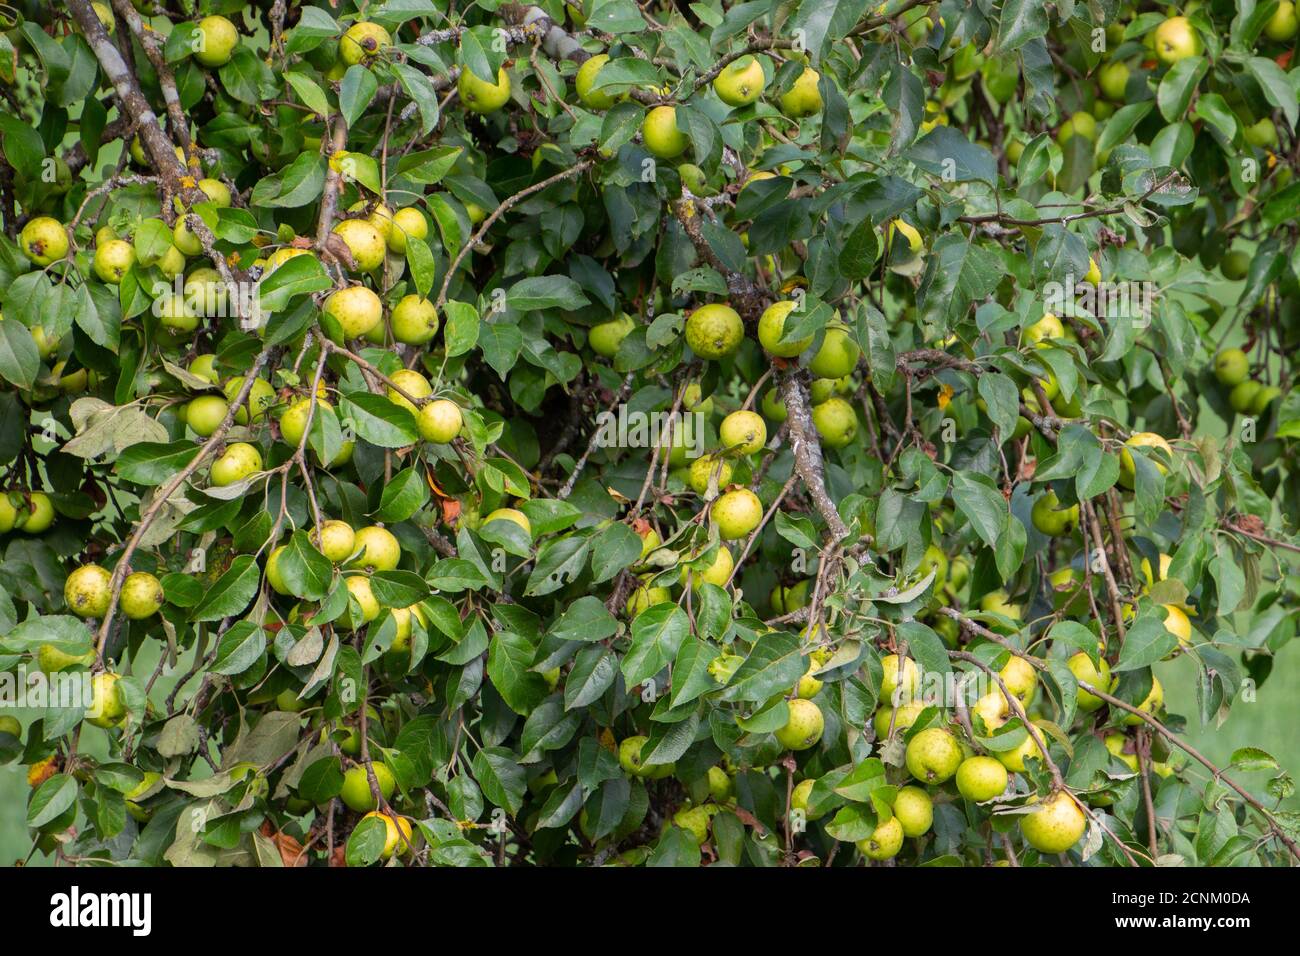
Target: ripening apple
x: 359, y: 592
x: 586, y: 79
x: 714, y: 331
x: 113, y: 260
x: 838, y: 355
x: 378, y: 549
x: 1127, y: 474
x: 803, y: 98
x: 1113, y: 80
x: 736, y: 513
x: 336, y: 540
x: 239, y: 460
x: 1176, y: 39
x: 205, y: 413
x: 364, y: 242
x: 706, y: 469
x: 803, y: 728
x: 357, y: 310
x: 740, y: 82
x: 87, y: 592
x: 408, y: 223
x: 481, y: 96
x: 717, y: 573
x: 412, y: 383
x: 397, y: 833
x: 771, y: 326
x: 356, y: 786
x: 362, y: 41
x: 660, y: 134
x: 142, y: 595
x: 216, y: 41
x: 743, y: 432
x: 43, y: 240
x: 605, y: 337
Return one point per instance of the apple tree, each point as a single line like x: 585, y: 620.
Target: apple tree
x: 616, y: 433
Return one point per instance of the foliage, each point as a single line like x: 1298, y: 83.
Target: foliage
x: 347, y: 360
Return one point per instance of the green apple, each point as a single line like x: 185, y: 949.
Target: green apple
x: 480, y: 96
x: 714, y: 331
x: 215, y: 41
x: 586, y: 79
x: 439, y: 421
x: 87, y: 592
x: 836, y: 422
x: 981, y: 778
x: 1282, y: 25
x: 737, y: 513
x: 1235, y: 264
x: 803, y: 98
x: 1050, y: 518
x: 1176, y: 39
x: 914, y: 810
x: 205, y: 414
x: 838, y: 355
x: 1055, y: 825
x: 356, y: 786
x: 113, y: 260
x: 362, y: 41
x: 740, y: 82
x: 1081, y: 123
x: 804, y: 727
x: 660, y: 134
x: 239, y: 460
x: 771, y: 325
x: 885, y: 841
x: 1094, y: 675
x: 605, y: 337
x: 414, y: 320
x: 1231, y: 367
x: 43, y: 240
x: 1262, y: 135
x: 933, y: 755
x: 1113, y: 80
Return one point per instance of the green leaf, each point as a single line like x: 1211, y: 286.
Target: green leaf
x: 402, y: 497
x: 356, y: 90
x: 19, y: 359
x: 307, y: 573
x: 657, y: 633
x: 546, y: 292
x: 151, y: 463
x: 586, y: 619
x: 380, y: 421
x: 51, y: 799
x: 981, y: 503
x: 239, y: 649
x: 502, y: 779
x: 232, y: 592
